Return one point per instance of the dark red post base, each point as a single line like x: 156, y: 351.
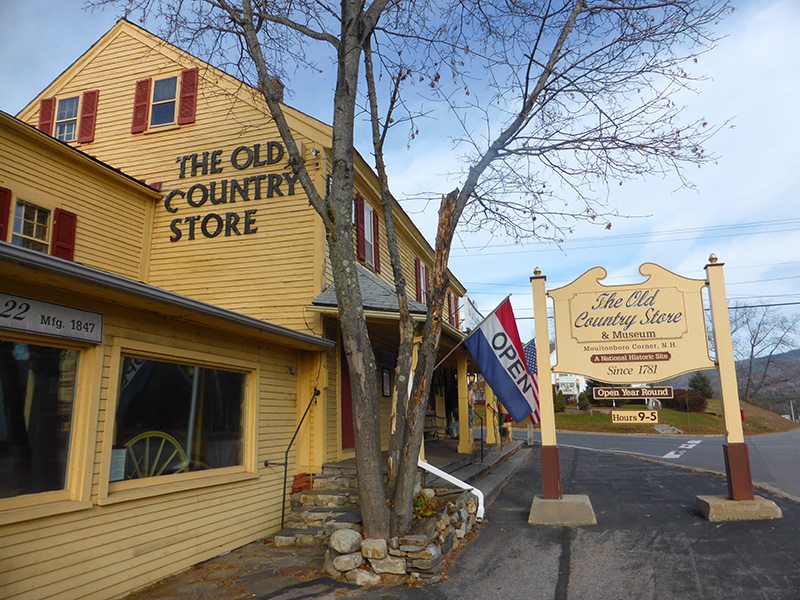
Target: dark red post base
x: 551, y: 473
x: 737, y: 470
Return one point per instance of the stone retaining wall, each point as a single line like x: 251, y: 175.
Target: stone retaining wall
x: 419, y: 554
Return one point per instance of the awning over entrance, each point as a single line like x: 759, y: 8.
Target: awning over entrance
x: 375, y: 292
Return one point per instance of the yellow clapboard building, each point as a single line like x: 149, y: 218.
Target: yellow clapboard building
x: 167, y: 314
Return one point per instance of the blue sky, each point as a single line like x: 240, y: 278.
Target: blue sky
x: 745, y: 208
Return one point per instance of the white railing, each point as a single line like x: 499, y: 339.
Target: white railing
x: 456, y: 482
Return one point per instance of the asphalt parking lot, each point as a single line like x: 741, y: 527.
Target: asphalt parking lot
x: 648, y: 542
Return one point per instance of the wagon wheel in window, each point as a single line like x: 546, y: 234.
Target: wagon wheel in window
x: 154, y: 453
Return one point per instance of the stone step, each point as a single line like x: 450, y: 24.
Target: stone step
x: 335, y: 482
x: 339, y: 469
x: 325, y: 498
x: 321, y: 517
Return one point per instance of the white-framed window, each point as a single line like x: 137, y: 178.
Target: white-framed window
x: 163, y: 102
x: 31, y: 227
x: 67, y: 119
x: 369, y: 236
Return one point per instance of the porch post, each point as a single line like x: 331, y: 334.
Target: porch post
x: 414, y: 360
x: 490, y: 420
x: 465, y: 442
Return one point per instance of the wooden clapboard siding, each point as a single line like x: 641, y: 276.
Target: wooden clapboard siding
x: 107, y: 551
x: 269, y: 274
x: 113, y: 213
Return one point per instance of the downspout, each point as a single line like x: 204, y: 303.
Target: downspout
x: 456, y: 482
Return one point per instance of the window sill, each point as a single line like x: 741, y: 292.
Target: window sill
x: 123, y: 491
x: 40, y: 511
x: 159, y: 128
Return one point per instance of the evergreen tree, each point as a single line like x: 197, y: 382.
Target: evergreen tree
x: 701, y: 384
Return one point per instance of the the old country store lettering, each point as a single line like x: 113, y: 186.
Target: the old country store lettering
x: 226, y: 191
x: 622, y: 312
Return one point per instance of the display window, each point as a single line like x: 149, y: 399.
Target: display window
x: 37, y: 398
x: 176, y: 418
x: 180, y: 418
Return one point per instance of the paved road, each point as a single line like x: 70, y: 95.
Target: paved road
x: 648, y: 543
x: 774, y: 458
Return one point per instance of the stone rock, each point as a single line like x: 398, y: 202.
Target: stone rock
x: 431, y: 552
x: 471, y: 505
x: 282, y: 541
x: 327, y: 566
x: 424, y: 527
x: 348, y: 562
x: 431, y: 566
x: 414, y: 540
x: 374, y: 548
x: 362, y: 577
x: 461, y: 531
x: 394, y: 542
x: 393, y: 552
x: 345, y: 541
x: 447, y: 543
x: 306, y: 540
x: 442, y: 523
x: 452, y: 508
x: 390, y: 564
x: 463, y: 514
x: 428, y: 492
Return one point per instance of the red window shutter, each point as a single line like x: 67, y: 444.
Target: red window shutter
x: 427, y: 281
x: 376, y: 241
x: 450, y: 308
x: 361, y: 247
x: 5, y: 213
x: 188, y: 103
x: 418, y: 271
x: 88, y: 116
x: 47, y: 115
x: 64, y: 223
x: 141, y: 102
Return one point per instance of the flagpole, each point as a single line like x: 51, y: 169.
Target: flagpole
x: 474, y: 329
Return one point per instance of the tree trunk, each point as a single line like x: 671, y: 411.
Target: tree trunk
x: 355, y: 337
x: 415, y: 420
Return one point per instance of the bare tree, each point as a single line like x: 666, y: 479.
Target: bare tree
x: 760, y: 335
x: 571, y: 96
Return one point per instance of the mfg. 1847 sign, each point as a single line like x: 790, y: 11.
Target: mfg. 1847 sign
x: 635, y: 333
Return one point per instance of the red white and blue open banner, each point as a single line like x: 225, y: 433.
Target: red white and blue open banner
x: 497, y: 350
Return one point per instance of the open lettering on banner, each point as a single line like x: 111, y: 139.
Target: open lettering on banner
x: 634, y: 333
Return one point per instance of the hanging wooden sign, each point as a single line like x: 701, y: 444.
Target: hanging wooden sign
x: 634, y: 333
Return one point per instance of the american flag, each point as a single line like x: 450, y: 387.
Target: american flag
x: 530, y: 360
x: 530, y: 357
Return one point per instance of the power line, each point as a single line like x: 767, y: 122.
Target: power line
x: 566, y: 246
x: 772, y: 222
